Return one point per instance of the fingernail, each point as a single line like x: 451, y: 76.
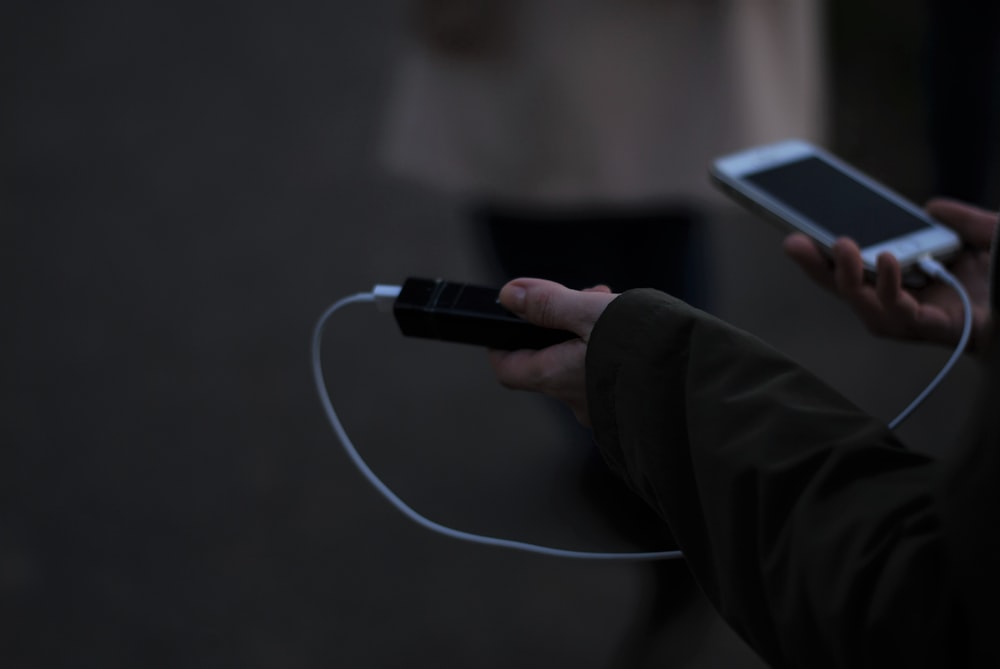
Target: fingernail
x: 514, y: 298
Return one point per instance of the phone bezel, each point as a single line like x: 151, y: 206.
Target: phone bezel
x: 730, y: 172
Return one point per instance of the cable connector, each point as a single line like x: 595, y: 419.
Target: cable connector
x: 385, y: 296
x: 931, y: 267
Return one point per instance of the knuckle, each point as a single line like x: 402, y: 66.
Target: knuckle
x: 513, y: 379
x: 544, y: 308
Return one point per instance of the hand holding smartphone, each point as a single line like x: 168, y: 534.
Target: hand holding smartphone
x: 803, y: 188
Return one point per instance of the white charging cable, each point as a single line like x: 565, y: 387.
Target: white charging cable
x: 383, y: 295
x: 936, y: 270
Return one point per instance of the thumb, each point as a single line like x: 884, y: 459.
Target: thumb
x: 973, y: 224
x: 553, y: 305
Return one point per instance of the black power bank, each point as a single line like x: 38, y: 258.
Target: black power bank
x: 458, y: 312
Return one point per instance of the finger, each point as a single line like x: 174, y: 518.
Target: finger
x: 552, y: 305
x: 973, y: 224
x: 516, y: 370
x: 808, y: 256
x: 888, y: 279
x: 543, y: 371
x: 600, y: 288
x: 849, y: 276
x: 898, y: 305
x: 848, y: 268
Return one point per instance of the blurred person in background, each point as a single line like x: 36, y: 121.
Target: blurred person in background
x: 600, y: 115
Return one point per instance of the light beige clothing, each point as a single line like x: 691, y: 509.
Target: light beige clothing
x: 608, y: 100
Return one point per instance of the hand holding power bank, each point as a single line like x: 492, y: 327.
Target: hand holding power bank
x: 458, y: 312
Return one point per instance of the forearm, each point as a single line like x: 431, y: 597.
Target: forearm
x: 798, y: 513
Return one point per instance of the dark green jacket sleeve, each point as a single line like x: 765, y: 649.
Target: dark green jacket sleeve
x: 817, y: 535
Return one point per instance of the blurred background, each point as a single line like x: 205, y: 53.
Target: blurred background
x: 186, y: 186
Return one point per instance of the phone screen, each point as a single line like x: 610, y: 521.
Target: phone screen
x: 835, y: 201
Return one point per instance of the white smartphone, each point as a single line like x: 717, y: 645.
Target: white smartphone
x: 802, y: 187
